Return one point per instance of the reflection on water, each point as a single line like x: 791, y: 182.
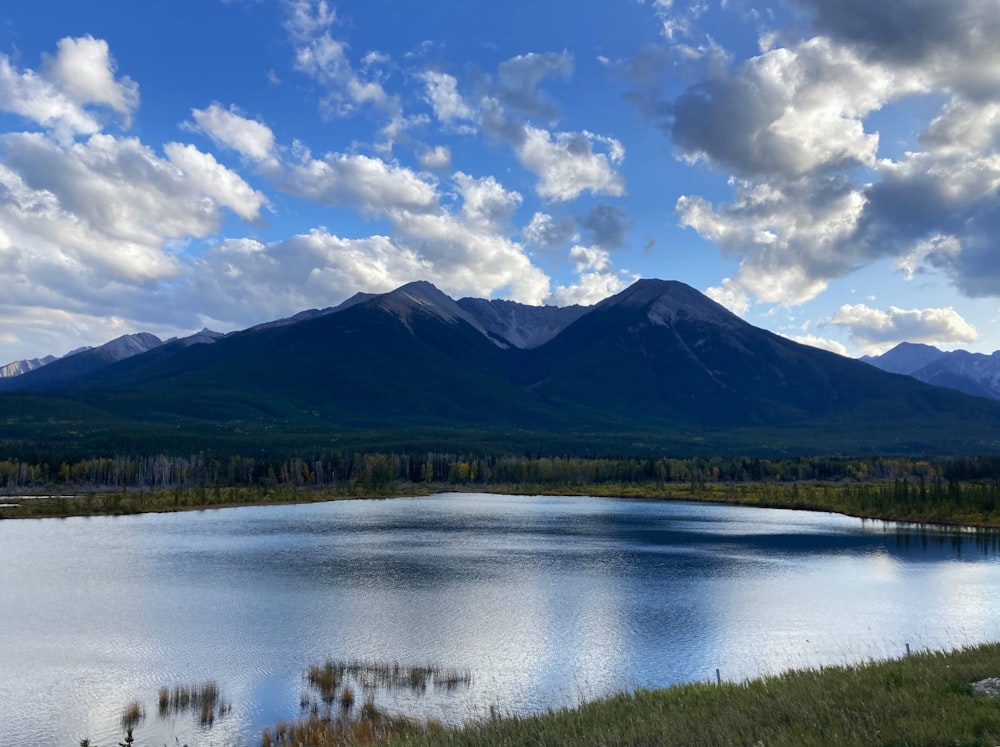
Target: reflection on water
x: 544, y: 600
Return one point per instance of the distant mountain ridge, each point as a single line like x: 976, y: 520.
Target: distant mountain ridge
x: 86, y: 360
x: 977, y: 374
x: 657, y: 364
x: 23, y: 366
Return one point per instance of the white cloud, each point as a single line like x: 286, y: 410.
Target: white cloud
x: 787, y: 112
x: 590, y: 258
x: 485, y: 202
x: 372, y: 184
x: 215, y: 181
x: 245, y: 281
x: 813, y: 197
x: 437, y: 158
x: 790, y: 238
x: 949, y: 45
x: 107, y: 208
x: 443, y: 95
x: 730, y: 295
x: 84, y: 70
x: 568, y: 166
x: 591, y: 288
x: 230, y: 129
x: 61, y: 98
x: 29, y: 95
x: 545, y: 232
x: 820, y: 342
x: 325, y: 59
x: 875, y: 331
x: 470, y: 257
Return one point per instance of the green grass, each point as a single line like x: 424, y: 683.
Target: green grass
x: 923, y: 700
x: 926, y: 699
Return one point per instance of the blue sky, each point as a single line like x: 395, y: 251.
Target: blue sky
x: 827, y: 169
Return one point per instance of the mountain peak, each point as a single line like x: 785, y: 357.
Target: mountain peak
x: 423, y: 297
x: 905, y: 358
x: 128, y: 345
x: 24, y: 366
x: 668, y: 300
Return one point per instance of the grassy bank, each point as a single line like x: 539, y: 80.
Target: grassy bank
x: 921, y: 700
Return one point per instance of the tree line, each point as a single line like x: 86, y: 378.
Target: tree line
x: 328, y: 468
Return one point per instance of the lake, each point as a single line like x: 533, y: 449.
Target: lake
x: 543, y: 600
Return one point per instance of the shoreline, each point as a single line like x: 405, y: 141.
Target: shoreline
x: 926, y: 697
x: 55, y: 504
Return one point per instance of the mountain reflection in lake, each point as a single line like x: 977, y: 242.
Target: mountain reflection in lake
x: 544, y: 600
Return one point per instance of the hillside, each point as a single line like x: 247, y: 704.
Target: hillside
x: 658, y: 368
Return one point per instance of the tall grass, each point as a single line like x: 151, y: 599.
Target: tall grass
x: 202, y: 699
x: 335, y: 681
x: 923, y: 700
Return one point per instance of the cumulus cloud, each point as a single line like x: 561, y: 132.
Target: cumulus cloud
x: 61, y: 98
x: 592, y: 287
x: 822, y: 343
x: 114, y: 200
x: 84, y: 70
x: 517, y: 81
x: 784, y: 113
x: 466, y: 250
x: 546, y: 232
x: 568, y: 165
x: 937, y: 208
x: 242, y: 280
x: 813, y: 198
x: 470, y: 252
x: 443, y: 96
x: 371, y: 184
x: 951, y: 45
x: 875, y: 330
x: 590, y: 258
x: 790, y: 238
x: 213, y: 180
x: 228, y: 128
x: 437, y: 158
x: 731, y: 295
x: 485, y: 202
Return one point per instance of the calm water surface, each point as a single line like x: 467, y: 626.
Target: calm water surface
x: 545, y: 600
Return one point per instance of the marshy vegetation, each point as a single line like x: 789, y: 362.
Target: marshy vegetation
x: 927, y: 698
x: 334, y: 715
x: 203, y: 700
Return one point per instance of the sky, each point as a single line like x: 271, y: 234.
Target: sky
x: 827, y: 169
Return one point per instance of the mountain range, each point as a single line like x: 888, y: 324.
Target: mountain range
x: 973, y: 373
x: 657, y: 368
